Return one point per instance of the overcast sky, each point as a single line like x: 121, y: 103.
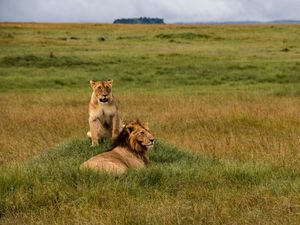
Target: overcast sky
x: 106, y: 11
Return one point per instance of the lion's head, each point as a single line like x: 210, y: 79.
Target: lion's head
x: 135, y: 136
x: 102, y: 90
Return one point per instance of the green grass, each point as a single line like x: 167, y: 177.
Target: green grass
x: 177, y: 187
x: 164, y: 57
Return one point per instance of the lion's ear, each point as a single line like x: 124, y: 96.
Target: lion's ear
x: 130, y: 129
x: 92, y: 83
x: 146, y: 125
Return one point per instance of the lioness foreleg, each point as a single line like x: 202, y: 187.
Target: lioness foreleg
x: 116, y: 123
x: 95, y: 127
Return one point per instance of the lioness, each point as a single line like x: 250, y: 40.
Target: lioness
x: 128, y: 151
x: 104, y: 118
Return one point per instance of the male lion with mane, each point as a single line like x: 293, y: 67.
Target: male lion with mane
x: 128, y: 151
x: 104, y: 118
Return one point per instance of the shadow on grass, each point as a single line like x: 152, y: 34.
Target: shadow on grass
x: 43, y: 61
x: 187, y: 35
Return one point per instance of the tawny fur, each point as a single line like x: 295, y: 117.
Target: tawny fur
x: 128, y: 151
x: 104, y: 118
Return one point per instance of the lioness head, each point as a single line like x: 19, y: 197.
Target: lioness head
x: 102, y: 90
x: 137, y: 136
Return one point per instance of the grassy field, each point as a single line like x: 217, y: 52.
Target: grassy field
x: 222, y: 101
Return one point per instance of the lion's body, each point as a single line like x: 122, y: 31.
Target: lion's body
x: 128, y: 152
x: 116, y: 161
x: 104, y: 118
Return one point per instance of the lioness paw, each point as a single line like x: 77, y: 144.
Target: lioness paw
x: 95, y: 143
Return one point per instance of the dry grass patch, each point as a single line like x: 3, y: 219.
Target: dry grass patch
x: 245, y: 128
x: 31, y: 123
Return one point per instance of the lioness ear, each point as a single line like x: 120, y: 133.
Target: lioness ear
x: 92, y: 83
x: 110, y: 83
x: 146, y: 125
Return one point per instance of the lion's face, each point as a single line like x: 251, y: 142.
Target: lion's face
x: 102, y: 90
x: 140, y: 138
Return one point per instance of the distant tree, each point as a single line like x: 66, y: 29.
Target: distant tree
x: 141, y: 20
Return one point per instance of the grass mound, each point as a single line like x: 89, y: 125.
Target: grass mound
x: 56, y: 174
x: 177, y: 186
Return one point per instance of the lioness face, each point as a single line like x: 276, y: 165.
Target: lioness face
x: 102, y: 90
x: 141, y: 135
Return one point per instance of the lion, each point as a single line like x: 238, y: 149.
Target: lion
x: 128, y: 151
x: 104, y: 118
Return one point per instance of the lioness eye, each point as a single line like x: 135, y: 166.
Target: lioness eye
x: 142, y: 132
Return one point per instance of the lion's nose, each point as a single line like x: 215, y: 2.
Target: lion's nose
x: 152, y: 140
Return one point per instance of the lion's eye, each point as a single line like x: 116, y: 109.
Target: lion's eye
x: 142, y: 132
x: 100, y: 88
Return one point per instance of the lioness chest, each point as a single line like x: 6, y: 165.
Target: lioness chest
x: 104, y: 113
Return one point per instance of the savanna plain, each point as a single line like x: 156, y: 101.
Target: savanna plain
x: 223, y: 102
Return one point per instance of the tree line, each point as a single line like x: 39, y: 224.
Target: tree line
x: 141, y: 20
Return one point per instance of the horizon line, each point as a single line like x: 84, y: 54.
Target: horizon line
x: 177, y: 22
